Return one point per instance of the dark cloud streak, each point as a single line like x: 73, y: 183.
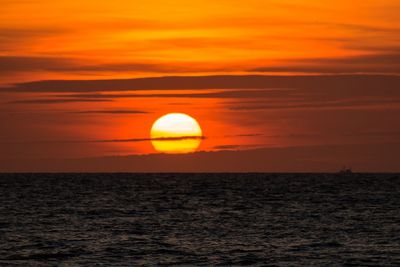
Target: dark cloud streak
x: 131, y: 140
x: 11, y: 64
x: 353, y: 82
x: 379, y: 63
x: 177, y: 138
x: 111, y: 112
x: 58, y: 101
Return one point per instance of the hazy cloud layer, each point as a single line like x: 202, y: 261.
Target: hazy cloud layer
x: 366, y: 158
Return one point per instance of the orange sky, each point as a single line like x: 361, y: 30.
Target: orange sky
x: 122, y: 38
x: 101, y: 40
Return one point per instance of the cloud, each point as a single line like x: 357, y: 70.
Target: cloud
x: 321, y: 105
x: 58, y: 101
x: 245, y: 135
x: 237, y: 147
x: 227, y: 147
x: 360, y: 27
x: 133, y: 140
x: 377, y: 133
x: 116, y: 111
x: 377, y: 63
x: 258, y: 93
x: 13, y: 38
x: 11, y: 64
x: 98, y: 97
x: 175, y: 138
x: 265, y: 92
x: 362, y: 157
x: 316, y: 82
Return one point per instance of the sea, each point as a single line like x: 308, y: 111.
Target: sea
x: 210, y: 219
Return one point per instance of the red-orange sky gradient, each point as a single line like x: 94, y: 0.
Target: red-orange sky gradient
x: 289, y: 85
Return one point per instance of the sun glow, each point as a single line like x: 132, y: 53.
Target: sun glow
x: 176, y: 133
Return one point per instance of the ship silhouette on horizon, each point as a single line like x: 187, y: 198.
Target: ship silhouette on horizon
x: 345, y: 171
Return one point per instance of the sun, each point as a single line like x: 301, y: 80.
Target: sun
x: 176, y: 133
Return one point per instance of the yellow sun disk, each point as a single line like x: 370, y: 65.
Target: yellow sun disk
x: 176, y: 125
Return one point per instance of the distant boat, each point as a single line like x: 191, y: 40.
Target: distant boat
x: 345, y: 171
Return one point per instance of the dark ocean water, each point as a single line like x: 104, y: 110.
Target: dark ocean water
x: 199, y: 219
